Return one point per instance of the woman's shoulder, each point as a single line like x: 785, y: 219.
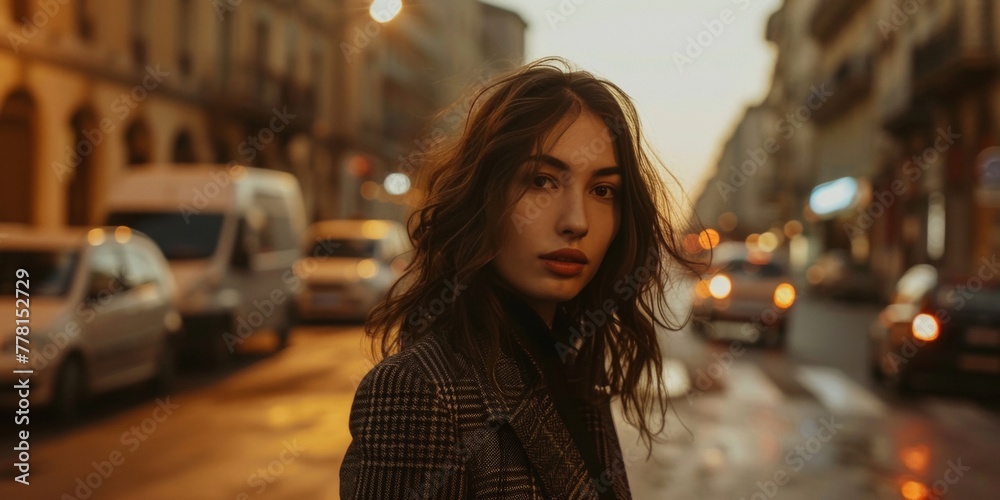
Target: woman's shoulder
x: 429, y: 363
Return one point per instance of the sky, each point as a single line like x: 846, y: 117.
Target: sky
x: 691, y: 66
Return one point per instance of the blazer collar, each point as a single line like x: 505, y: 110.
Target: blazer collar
x: 522, y: 401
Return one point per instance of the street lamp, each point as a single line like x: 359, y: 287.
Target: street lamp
x: 384, y: 10
x: 381, y: 11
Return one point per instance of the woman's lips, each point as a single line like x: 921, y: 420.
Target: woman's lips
x: 563, y: 268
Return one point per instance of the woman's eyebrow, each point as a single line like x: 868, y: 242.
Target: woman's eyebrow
x: 561, y: 165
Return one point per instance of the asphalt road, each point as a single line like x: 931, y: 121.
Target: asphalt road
x: 744, y: 424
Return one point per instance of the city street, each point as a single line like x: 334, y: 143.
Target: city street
x: 801, y: 424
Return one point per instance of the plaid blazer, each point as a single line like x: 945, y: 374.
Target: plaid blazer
x: 426, y: 424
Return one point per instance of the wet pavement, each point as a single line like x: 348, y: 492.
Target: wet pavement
x: 751, y: 424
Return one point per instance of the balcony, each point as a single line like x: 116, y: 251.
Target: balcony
x: 962, y: 52
x: 850, y: 84
x: 831, y: 16
x: 256, y: 92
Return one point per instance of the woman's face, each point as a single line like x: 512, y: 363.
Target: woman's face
x: 571, y: 206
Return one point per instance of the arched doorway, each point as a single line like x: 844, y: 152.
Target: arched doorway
x: 138, y: 143
x: 184, y: 148
x: 79, y: 192
x: 17, y: 145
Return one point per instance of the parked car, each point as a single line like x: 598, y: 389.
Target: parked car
x: 231, y: 235
x: 938, y: 333
x: 836, y: 275
x: 102, y: 310
x: 747, y: 296
x: 349, y: 266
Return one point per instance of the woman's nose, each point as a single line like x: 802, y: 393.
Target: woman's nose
x: 573, y: 218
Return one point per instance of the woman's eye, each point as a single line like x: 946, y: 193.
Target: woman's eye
x: 605, y: 191
x: 541, y: 181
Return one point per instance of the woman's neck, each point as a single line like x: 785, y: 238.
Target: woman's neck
x: 545, y: 310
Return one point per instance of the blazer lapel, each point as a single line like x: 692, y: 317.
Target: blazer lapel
x: 610, y: 449
x: 527, y: 408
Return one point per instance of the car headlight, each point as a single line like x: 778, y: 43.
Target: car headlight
x: 784, y: 295
x: 925, y: 327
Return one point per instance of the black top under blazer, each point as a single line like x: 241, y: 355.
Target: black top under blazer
x: 426, y: 423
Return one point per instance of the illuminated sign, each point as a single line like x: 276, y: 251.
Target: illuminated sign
x: 831, y: 197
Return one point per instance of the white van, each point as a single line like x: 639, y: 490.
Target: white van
x: 231, y: 235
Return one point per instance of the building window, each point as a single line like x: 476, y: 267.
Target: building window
x: 19, y: 11
x: 80, y: 189
x: 138, y: 143
x: 225, y: 49
x: 291, y: 92
x: 139, y: 33
x: 184, y: 148
x: 222, y: 151
x: 17, y: 141
x: 317, y: 66
x: 184, y: 36
x: 84, y: 25
x: 262, y: 41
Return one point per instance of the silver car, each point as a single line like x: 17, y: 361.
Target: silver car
x: 101, y: 305
x: 349, y: 267
x: 747, y: 297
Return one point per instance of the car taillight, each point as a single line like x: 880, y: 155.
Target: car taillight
x: 720, y: 286
x: 925, y: 327
x: 784, y: 295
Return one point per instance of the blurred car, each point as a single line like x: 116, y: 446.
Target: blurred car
x: 939, y: 333
x: 746, y: 297
x: 102, y: 312
x: 349, y: 266
x: 836, y: 275
x: 231, y: 235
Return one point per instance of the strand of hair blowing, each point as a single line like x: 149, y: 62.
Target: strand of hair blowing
x: 471, y: 184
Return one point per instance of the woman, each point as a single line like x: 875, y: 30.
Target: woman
x: 539, y: 268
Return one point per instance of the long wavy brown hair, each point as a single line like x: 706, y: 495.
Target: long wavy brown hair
x: 458, y: 227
